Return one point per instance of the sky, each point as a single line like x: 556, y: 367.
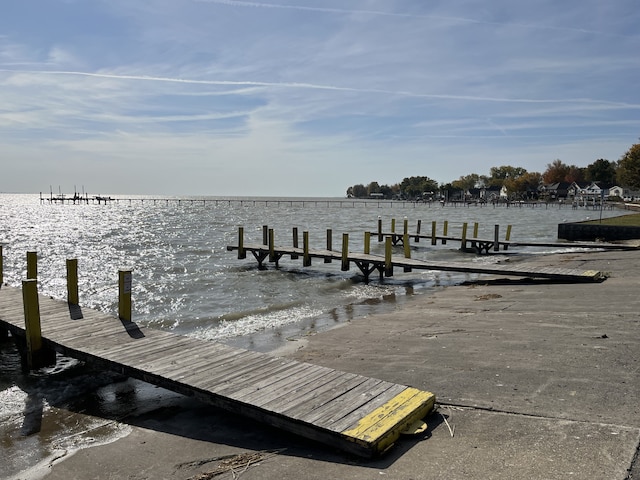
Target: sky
x: 308, y: 97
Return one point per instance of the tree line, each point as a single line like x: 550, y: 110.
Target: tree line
x: 518, y: 182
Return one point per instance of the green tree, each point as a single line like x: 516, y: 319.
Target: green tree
x: 466, y: 182
x: 373, y: 187
x: 526, y: 186
x: 387, y: 191
x: 601, y: 171
x: 413, y: 187
x: 506, y: 173
x: 358, y: 191
x: 629, y: 168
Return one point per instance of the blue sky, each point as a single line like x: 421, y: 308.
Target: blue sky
x: 308, y: 97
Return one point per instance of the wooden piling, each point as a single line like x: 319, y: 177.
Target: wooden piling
x: 405, y: 244
x: 265, y: 234
x: 433, y: 233
x: 463, y: 244
x: 329, y: 245
x: 405, y: 226
x: 32, y: 265
x: 37, y: 355
x: 418, y: 227
x: 4, y: 332
x: 388, y: 264
x: 241, y: 251
x: 496, y: 238
x: 72, y: 281
x: 124, y: 295
x: 379, y: 229
x: 272, y: 246
x: 295, y: 242
x: 507, y: 237
x: 393, y: 225
x: 367, y: 243
x: 445, y: 231
x: 407, y: 249
x: 345, y: 252
x: 475, y: 229
x: 306, y: 258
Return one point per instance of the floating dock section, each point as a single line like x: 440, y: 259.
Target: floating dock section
x: 357, y: 414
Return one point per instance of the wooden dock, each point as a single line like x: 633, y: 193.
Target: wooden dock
x: 385, y: 265
x: 486, y: 246
x: 357, y: 414
x: 473, y: 243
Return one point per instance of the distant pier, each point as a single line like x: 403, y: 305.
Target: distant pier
x: 84, y: 198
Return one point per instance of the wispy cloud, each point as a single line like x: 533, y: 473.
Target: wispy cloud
x: 311, y: 86
x: 412, y: 15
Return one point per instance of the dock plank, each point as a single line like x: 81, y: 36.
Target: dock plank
x: 268, y: 379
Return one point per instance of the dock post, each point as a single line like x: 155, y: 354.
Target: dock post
x: 507, y: 237
x: 496, y: 238
x: 242, y: 253
x: 32, y: 265
x: 393, y: 225
x: 379, y: 228
x: 475, y: 230
x: 407, y: 249
x: 124, y: 295
x: 405, y: 226
x: 418, y: 227
x: 295, y: 242
x: 433, y: 233
x: 4, y: 332
x: 37, y: 355
x: 367, y: 243
x: 272, y: 252
x: 345, y: 252
x: 265, y: 235
x: 463, y: 243
x: 329, y: 244
x: 445, y: 231
x: 72, y: 281
x: 306, y: 258
x: 388, y: 264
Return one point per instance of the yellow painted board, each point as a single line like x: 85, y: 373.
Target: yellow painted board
x: 383, y: 426
x: 590, y: 273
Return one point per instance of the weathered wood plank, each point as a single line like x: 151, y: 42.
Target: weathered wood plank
x: 320, y: 397
x: 308, y: 391
x: 377, y: 398
x: 236, y: 366
x: 342, y: 405
x: 187, y: 352
x: 263, y: 380
x: 268, y: 383
x: 209, y: 378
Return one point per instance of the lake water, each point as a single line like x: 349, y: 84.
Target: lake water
x: 185, y: 281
